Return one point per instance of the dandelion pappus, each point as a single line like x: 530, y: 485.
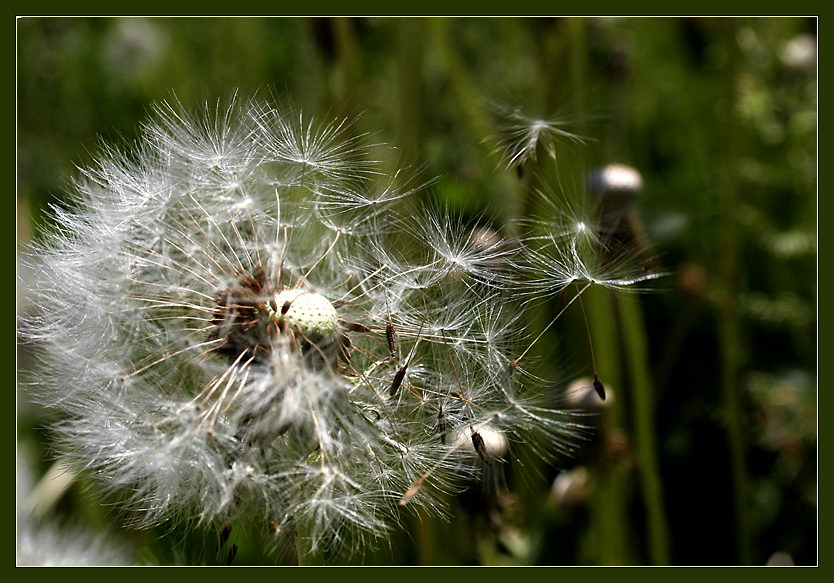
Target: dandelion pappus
x: 275, y: 238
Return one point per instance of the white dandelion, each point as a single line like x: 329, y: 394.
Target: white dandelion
x: 44, y: 540
x: 238, y: 322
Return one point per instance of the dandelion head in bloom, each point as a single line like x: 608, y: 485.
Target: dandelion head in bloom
x: 243, y: 318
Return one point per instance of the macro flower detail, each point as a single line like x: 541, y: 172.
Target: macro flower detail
x: 241, y: 321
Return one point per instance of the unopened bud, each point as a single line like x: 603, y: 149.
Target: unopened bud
x: 581, y: 394
x: 616, y: 179
x: 570, y: 488
x: 487, y: 441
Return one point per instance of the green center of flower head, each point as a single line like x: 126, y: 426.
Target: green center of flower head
x: 312, y: 313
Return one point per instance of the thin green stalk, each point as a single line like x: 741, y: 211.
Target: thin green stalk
x: 410, y: 103
x: 642, y: 393
x: 469, y: 101
x: 610, y: 505
x: 410, y: 82
x: 609, y: 508
x: 346, y: 72
x: 477, y: 121
x: 729, y: 327
x: 425, y: 538
x: 579, y: 77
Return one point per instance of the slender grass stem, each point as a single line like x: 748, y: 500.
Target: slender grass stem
x: 729, y: 325
x: 642, y: 393
x: 611, y: 495
x: 609, y: 508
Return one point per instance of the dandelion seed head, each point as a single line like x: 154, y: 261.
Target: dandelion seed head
x: 239, y: 319
x: 570, y: 488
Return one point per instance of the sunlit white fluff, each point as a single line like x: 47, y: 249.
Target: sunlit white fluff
x: 572, y: 245
x: 190, y: 396
x: 45, y: 540
x: 521, y: 135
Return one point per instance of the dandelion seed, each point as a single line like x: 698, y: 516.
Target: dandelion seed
x: 570, y: 246
x: 520, y: 135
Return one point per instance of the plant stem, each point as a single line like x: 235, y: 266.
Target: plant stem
x: 50, y: 488
x: 729, y: 326
x: 609, y: 508
x: 477, y: 121
x: 411, y: 34
x: 611, y: 495
x: 634, y: 339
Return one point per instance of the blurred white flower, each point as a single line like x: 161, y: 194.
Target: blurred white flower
x: 800, y: 52
x: 239, y: 322
x: 44, y: 541
x: 52, y: 546
x: 133, y: 49
x: 570, y: 488
x: 581, y: 394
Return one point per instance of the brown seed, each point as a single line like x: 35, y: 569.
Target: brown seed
x: 398, y: 380
x: 344, y: 348
x: 354, y: 326
x: 441, y: 425
x: 599, y: 387
x: 348, y: 372
x: 413, y: 489
x: 391, y: 336
x: 480, y: 447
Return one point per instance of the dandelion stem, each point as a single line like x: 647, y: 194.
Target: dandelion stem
x: 50, y: 488
x: 410, y: 58
x: 729, y: 325
x: 610, y: 496
x: 634, y: 337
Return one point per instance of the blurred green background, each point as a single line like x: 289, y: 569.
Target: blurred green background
x: 707, y: 452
